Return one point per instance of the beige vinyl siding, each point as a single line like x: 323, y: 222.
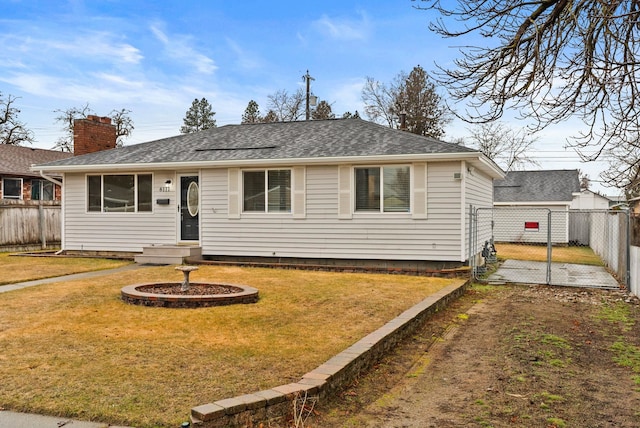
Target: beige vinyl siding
x: 478, y: 194
x: 96, y: 231
x: 324, y: 232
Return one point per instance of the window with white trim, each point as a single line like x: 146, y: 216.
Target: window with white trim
x: 119, y: 193
x: 12, y: 188
x: 267, y: 190
x: 42, y: 190
x: 383, y: 189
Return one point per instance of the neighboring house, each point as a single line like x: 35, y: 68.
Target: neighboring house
x: 343, y: 189
x: 18, y: 183
x: 531, y: 197
x: 588, y: 200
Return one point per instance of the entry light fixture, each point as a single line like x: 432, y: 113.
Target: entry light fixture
x: 167, y: 186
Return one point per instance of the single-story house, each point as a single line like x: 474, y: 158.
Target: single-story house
x: 526, y: 198
x: 342, y: 190
x: 18, y: 183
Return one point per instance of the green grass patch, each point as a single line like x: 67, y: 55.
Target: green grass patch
x: 555, y: 341
x: 619, y: 313
x: 626, y: 355
x: 556, y: 423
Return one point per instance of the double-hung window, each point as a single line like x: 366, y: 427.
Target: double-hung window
x: 41, y: 190
x: 267, y: 190
x: 119, y: 193
x: 12, y: 188
x: 383, y: 189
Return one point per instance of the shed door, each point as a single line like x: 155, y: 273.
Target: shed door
x: 189, y: 208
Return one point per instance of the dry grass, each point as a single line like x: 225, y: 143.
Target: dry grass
x: 21, y: 268
x: 74, y: 349
x: 578, y: 255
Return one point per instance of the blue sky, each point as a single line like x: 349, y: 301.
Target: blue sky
x: 154, y: 58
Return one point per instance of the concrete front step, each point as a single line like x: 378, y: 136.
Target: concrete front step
x: 167, y: 254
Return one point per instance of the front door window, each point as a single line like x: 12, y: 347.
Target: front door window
x: 189, y: 208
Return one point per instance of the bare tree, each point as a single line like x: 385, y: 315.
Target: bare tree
x: 287, y: 107
x: 624, y: 167
x: 551, y: 60
x: 378, y: 99
x: 506, y: 147
x: 585, y: 181
x: 66, y: 118
x: 412, y: 94
x: 121, y: 119
x: 123, y: 123
x: 12, y: 130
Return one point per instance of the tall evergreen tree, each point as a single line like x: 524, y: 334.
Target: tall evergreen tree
x: 417, y: 97
x: 412, y: 94
x: 322, y: 111
x: 199, y: 117
x: 251, y: 113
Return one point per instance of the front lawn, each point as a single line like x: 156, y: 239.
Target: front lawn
x: 75, y: 349
x: 538, y: 253
x: 17, y: 268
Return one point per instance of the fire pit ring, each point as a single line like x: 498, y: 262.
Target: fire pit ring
x: 199, y: 295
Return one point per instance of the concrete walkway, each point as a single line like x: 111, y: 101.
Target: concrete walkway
x: 563, y: 274
x: 72, y: 277
x: 23, y: 420
x: 10, y: 419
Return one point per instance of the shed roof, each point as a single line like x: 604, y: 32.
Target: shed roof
x: 282, y: 141
x: 17, y: 160
x: 537, y: 186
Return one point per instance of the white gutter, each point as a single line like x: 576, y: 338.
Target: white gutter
x: 486, y: 166
x: 51, y: 179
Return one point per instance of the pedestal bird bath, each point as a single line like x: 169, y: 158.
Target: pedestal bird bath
x: 188, y: 294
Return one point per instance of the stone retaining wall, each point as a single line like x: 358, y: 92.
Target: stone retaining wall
x: 334, y: 375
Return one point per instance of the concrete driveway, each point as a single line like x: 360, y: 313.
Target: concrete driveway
x: 566, y: 274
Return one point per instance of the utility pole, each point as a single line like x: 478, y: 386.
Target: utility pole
x: 308, y: 79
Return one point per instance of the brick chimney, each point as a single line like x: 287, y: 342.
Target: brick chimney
x: 93, y: 134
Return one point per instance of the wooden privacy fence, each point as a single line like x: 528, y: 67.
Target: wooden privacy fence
x: 29, y: 226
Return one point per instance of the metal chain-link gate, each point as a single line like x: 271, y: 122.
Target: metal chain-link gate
x: 531, y: 234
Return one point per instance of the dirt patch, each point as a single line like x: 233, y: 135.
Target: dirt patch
x: 507, y: 356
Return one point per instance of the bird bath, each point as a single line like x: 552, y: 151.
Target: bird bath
x: 188, y: 294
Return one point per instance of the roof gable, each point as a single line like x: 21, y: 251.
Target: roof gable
x: 17, y: 160
x: 537, y: 186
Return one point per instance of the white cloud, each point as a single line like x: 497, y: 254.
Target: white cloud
x: 179, y: 48
x: 246, y: 60
x: 343, y: 29
x: 346, y: 96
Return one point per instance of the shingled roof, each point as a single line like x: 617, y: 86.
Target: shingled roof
x: 537, y: 186
x: 17, y: 160
x: 338, y: 138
